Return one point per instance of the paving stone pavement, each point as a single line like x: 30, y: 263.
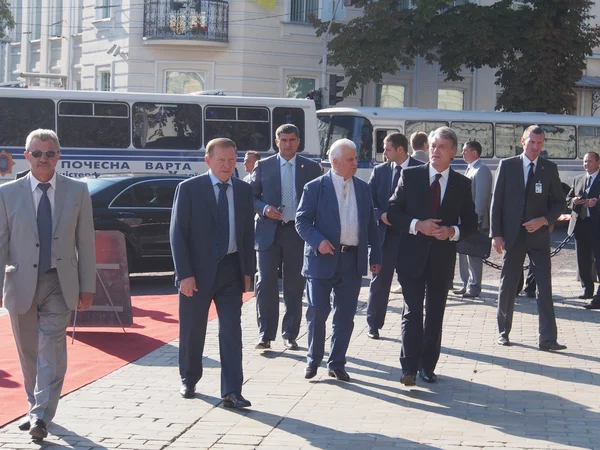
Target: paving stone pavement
x: 487, y: 396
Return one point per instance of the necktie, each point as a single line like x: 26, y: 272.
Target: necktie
x: 436, y: 194
x: 223, y: 207
x: 528, y: 187
x: 396, y: 178
x: 287, y: 193
x: 588, y: 183
x: 44, y: 223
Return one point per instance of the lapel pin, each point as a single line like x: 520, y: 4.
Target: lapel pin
x: 302, y: 166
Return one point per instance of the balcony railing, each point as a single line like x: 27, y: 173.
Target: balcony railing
x: 203, y: 20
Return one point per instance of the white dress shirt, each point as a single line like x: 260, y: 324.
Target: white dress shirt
x: 37, y: 196
x: 443, y: 183
x: 347, y: 208
x: 526, y: 162
x: 232, y: 248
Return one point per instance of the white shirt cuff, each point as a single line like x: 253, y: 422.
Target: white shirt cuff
x: 413, y: 226
x: 265, y: 211
x: 456, y: 236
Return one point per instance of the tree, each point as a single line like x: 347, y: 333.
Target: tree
x: 539, y: 49
x: 6, y: 18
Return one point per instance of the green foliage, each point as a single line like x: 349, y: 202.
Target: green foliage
x: 539, y: 51
x: 6, y: 18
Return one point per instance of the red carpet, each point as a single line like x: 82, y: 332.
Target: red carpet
x: 154, y: 324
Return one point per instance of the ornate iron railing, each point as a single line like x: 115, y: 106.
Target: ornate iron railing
x: 204, y: 20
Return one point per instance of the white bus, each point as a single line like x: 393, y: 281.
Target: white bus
x: 113, y: 132
x: 568, y: 138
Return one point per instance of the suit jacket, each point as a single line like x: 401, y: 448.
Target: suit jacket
x: 266, y: 189
x: 195, y: 230
x: 481, y: 187
x: 508, y: 200
x: 73, y: 244
x: 380, y: 183
x: 412, y: 200
x: 577, y: 190
x: 318, y: 218
x: 420, y: 155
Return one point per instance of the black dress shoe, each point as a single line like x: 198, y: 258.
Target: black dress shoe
x: 592, y: 305
x: 235, y: 400
x: 551, y: 345
x: 373, y: 333
x: 585, y: 295
x: 470, y: 295
x: 187, y: 391
x: 427, y: 376
x: 263, y: 344
x: 503, y: 341
x: 530, y: 294
x: 25, y: 423
x: 409, y: 379
x: 310, y: 372
x: 339, y: 374
x: 290, y: 344
x: 460, y: 291
x: 38, y: 430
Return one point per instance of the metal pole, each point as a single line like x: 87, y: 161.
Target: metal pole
x: 324, y: 87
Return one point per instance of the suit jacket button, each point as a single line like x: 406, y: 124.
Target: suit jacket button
x: 35, y: 266
x: 37, y: 245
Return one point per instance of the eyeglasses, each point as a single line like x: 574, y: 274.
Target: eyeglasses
x: 49, y: 154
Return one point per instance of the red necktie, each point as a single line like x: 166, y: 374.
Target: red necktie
x: 436, y: 194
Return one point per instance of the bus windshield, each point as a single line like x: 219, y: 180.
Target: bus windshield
x: 356, y: 128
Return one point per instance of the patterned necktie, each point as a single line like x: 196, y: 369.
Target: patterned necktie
x: 44, y: 223
x: 396, y: 177
x: 436, y: 194
x: 287, y: 194
x: 223, y: 206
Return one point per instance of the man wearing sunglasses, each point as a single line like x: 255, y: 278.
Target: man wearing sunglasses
x: 48, y: 255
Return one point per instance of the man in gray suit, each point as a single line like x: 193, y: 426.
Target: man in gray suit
x: 277, y: 184
x: 420, y: 145
x: 48, y: 256
x: 480, y: 175
x: 527, y: 200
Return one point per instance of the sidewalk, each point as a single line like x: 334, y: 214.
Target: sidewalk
x: 487, y: 396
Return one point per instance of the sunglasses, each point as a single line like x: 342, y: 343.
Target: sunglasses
x: 49, y: 154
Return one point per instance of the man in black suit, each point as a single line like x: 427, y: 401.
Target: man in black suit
x: 583, y: 201
x: 212, y: 236
x: 383, y: 182
x: 432, y: 208
x: 527, y: 200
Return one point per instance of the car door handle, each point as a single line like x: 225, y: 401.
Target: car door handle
x: 126, y: 214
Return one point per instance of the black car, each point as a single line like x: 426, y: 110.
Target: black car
x: 140, y: 207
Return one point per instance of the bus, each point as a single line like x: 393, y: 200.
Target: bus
x: 114, y: 132
x: 568, y: 138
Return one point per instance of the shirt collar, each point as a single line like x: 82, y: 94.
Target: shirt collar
x: 404, y: 165
x: 433, y: 172
x: 339, y: 179
x: 282, y: 161
x: 214, y: 180
x: 594, y: 175
x: 34, y: 181
x: 526, y: 161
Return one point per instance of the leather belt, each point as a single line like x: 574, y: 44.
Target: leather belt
x: 348, y: 248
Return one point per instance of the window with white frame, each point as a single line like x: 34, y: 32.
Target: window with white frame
x: 299, y: 87
x: 183, y: 82
x: 453, y: 99
x: 36, y: 21
x: 17, y: 12
x: 104, y: 80
x: 390, y: 96
x: 303, y: 10
x: 57, y: 16
x: 103, y: 9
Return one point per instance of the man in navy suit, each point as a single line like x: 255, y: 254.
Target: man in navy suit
x: 383, y: 182
x: 427, y: 207
x: 335, y: 219
x: 277, y: 183
x: 212, y: 235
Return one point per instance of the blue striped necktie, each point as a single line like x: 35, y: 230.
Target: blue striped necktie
x: 44, y: 223
x: 223, y: 207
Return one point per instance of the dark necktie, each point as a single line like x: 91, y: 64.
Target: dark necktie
x: 396, y: 177
x: 588, y: 183
x: 44, y: 223
x: 528, y: 188
x: 223, y: 207
x: 436, y: 194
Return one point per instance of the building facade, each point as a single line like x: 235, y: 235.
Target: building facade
x: 251, y: 48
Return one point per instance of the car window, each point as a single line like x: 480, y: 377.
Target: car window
x: 154, y: 194
x: 124, y: 200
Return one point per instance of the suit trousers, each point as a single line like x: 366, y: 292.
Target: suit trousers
x: 537, y: 244
x: 345, y: 285
x: 586, y: 246
x: 287, y: 250
x: 193, y: 316
x: 40, y: 335
x: 471, y: 270
x: 379, y: 290
x: 421, y: 343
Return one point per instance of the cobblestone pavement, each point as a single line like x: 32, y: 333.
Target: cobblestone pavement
x: 487, y: 396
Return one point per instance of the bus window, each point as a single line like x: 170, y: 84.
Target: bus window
x: 324, y: 128
x: 560, y: 142
x: 379, y: 138
x: 289, y: 115
x: 426, y: 127
x: 475, y: 131
x: 170, y: 126
x: 93, y: 125
x: 249, y: 128
x: 508, y: 139
x: 357, y: 129
x: 589, y: 140
x: 20, y: 116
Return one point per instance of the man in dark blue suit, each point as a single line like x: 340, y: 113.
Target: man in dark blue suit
x: 335, y: 219
x: 426, y: 209
x: 383, y: 182
x: 277, y: 183
x: 212, y: 235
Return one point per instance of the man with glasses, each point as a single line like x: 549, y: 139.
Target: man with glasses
x: 48, y: 254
